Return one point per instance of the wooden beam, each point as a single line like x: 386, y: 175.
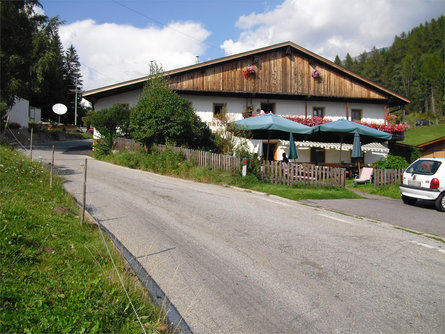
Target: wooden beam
x: 347, y: 111
x: 305, y: 109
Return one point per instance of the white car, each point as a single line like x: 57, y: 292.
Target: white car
x: 425, y: 179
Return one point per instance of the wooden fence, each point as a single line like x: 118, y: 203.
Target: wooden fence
x: 226, y: 163
x: 307, y: 174
x: 387, y: 176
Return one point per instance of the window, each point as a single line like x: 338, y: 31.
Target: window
x: 318, y: 112
x: 219, y: 110
x: 317, y: 155
x: 268, y: 107
x: 356, y: 115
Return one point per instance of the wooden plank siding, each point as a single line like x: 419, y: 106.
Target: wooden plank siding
x: 279, y: 72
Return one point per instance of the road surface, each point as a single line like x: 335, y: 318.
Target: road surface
x: 234, y: 261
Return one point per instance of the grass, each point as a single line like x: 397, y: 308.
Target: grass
x: 417, y: 135
x: 170, y: 163
x: 391, y: 191
x: 56, y: 276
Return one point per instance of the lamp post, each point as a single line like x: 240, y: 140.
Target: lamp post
x: 75, y: 91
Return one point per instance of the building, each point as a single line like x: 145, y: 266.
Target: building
x: 22, y: 113
x: 284, y: 79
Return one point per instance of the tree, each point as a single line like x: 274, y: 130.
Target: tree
x: 32, y: 58
x: 161, y: 116
x: 337, y: 60
x: 47, y: 87
x: 111, y: 123
x: 72, y: 79
x: 19, y: 24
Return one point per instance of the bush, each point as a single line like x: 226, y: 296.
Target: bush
x: 162, y: 116
x: 392, y: 162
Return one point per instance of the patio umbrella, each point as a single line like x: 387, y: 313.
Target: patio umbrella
x: 329, y: 132
x: 270, y: 126
x: 292, y: 148
x: 356, y: 146
x: 260, y: 148
x: 357, y: 149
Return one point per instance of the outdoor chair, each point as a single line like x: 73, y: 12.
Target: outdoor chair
x: 365, y: 175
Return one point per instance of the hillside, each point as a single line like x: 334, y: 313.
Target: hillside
x: 422, y: 134
x: 413, y: 66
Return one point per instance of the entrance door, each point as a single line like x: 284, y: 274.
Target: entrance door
x: 272, y: 150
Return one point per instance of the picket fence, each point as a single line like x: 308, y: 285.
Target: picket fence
x: 226, y: 163
x: 387, y: 176
x: 308, y: 174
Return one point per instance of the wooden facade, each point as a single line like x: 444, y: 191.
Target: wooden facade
x: 282, y: 71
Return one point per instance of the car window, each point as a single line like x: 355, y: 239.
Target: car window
x: 426, y: 167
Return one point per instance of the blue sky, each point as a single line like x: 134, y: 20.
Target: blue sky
x: 117, y: 39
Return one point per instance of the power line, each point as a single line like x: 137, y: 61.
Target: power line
x: 163, y: 24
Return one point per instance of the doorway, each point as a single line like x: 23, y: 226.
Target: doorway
x: 272, y: 150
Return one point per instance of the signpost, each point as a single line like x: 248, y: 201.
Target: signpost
x: 59, y: 109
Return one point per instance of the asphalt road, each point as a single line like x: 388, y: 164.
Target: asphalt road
x: 234, y: 261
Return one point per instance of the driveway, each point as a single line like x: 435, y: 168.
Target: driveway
x: 234, y: 261
x: 421, y: 217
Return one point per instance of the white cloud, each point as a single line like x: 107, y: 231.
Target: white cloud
x: 111, y: 53
x: 329, y: 27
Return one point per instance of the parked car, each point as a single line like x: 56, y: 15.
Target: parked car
x: 421, y: 122
x: 425, y: 179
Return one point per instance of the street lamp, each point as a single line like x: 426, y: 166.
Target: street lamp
x: 75, y: 101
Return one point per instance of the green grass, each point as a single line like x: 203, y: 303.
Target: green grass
x: 391, y: 191
x: 417, y: 135
x: 169, y: 163
x: 56, y: 276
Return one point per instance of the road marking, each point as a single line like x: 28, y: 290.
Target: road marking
x: 335, y: 218
x: 276, y: 202
x: 421, y: 244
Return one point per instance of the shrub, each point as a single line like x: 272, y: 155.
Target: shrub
x: 392, y: 162
x: 162, y: 116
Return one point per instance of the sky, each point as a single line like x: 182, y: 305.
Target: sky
x: 117, y: 39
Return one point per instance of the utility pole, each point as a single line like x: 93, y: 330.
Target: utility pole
x: 75, y: 105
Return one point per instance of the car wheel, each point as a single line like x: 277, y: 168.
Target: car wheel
x: 440, y: 202
x: 408, y: 200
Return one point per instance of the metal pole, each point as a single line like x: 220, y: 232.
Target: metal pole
x: 75, y: 105
x: 82, y: 218
x: 52, y: 167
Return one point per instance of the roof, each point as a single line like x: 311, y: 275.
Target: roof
x: 139, y: 82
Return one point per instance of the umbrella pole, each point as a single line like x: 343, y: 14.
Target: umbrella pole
x: 341, y: 144
x: 268, y: 145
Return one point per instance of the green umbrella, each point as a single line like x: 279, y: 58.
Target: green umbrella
x: 329, y: 132
x: 356, y: 147
x: 270, y: 126
x: 292, y: 148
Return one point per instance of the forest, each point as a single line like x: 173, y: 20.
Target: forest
x: 34, y: 64
x: 412, y: 66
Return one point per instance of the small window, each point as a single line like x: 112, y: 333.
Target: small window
x: 318, y: 112
x: 356, y: 115
x: 317, y: 155
x: 219, y: 110
x: 268, y: 108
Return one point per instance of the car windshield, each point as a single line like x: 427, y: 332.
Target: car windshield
x: 426, y: 167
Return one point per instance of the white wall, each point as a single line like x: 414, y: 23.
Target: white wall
x: 22, y: 113
x: 131, y: 98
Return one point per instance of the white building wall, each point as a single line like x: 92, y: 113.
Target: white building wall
x: 21, y: 113
x: 203, y: 106
x: 130, y: 98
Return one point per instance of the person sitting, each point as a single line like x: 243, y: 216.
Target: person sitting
x: 285, y: 159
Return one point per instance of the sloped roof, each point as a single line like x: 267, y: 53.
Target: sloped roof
x: 139, y: 82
